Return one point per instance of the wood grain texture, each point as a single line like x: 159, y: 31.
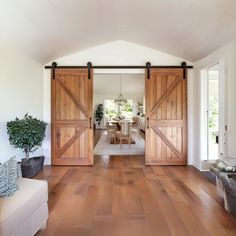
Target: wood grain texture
x: 120, y: 196
x: 166, y: 130
x: 72, y: 140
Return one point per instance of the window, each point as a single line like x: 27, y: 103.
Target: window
x: 111, y: 109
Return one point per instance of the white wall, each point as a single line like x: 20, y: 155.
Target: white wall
x: 228, y: 55
x: 21, y: 92
x: 119, y: 53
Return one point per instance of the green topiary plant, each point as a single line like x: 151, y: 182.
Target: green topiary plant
x: 99, y: 113
x: 26, y: 134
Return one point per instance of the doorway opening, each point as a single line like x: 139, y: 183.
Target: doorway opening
x: 212, y: 113
x: 122, y: 98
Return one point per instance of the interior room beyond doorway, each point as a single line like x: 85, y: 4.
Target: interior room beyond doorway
x: 121, y: 98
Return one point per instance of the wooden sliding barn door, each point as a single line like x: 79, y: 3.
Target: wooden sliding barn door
x: 72, y: 130
x: 166, y: 117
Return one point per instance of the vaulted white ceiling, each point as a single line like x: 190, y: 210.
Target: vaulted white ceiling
x: 48, y: 29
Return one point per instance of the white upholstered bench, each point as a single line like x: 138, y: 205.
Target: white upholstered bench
x: 26, y: 212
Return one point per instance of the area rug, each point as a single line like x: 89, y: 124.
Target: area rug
x: 124, y: 141
x: 103, y: 147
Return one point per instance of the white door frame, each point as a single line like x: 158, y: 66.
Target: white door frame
x: 222, y: 110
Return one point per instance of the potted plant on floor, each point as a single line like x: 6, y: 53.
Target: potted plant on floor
x: 27, y: 134
x: 99, y: 113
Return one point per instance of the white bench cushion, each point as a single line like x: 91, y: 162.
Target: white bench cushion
x: 17, y: 208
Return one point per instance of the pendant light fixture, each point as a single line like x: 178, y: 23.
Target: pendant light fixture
x: 120, y: 100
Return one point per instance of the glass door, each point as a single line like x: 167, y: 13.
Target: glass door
x: 213, y: 106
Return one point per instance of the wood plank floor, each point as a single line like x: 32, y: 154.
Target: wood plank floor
x: 119, y: 196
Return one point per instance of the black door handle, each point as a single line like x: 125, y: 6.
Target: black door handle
x: 90, y: 121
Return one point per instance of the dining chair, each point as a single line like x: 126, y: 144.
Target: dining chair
x: 125, y: 132
x: 111, y: 132
x: 136, y: 126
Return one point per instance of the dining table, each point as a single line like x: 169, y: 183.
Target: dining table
x: 117, y: 123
